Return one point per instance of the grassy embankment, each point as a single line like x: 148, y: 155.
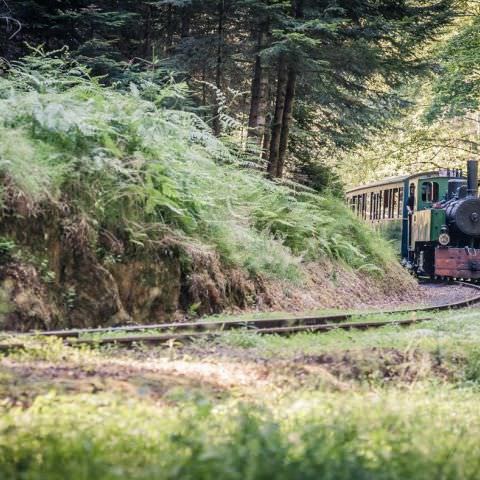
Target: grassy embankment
x: 385, y: 404
x: 135, y: 164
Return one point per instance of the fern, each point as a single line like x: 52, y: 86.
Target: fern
x: 130, y: 163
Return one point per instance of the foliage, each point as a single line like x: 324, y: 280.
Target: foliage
x: 438, y: 125
x: 385, y: 403
x: 348, y: 56
x: 376, y: 436
x: 136, y: 168
x: 456, y: 88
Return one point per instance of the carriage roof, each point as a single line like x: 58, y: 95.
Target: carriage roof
x: 393, y: 180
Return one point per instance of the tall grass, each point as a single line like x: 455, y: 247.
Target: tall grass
x: 129, y: 161
x: 380, y: 435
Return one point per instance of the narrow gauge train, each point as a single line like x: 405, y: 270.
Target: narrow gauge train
x: 433, y: 217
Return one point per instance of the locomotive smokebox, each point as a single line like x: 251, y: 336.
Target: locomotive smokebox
x: 472, y: 178
x: 464, y: 216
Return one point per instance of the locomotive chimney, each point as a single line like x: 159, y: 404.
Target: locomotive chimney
x: 472, y: 178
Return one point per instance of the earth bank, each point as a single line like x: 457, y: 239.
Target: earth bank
x: 57, y: 270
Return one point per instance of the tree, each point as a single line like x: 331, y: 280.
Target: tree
x: 251, y: 65
x: 456, y: 89
x: 348, y: 58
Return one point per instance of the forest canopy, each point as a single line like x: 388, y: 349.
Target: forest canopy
x: 439, y: 124
x: 297, y: 81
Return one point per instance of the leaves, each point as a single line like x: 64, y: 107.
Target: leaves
x: 456, y: 90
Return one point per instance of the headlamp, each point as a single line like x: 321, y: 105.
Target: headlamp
x: 444, y: 239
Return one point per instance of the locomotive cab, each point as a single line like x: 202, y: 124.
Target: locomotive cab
x: 424, y: 220
x: 444, y: 236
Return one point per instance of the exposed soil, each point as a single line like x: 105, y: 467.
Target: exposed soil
x: 384, y: 364
x: 63, y: 273
x: 332, y: 286
x: 233, y: 372
x: 159, y: 380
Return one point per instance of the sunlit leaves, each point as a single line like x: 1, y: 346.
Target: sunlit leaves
x: 457, y: 87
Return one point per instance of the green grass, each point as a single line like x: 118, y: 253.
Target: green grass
x: 422, y: 434
x: 365, y: 313
x: 373, y: 419
x: 126, y: 163
x: 452, y: 332
x: 357, y: 317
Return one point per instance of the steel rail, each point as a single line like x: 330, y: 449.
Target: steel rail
x: 188, y: 336
x: 280, y: 326
x: 262, y: 323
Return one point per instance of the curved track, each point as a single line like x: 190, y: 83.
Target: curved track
x: 280, y: 326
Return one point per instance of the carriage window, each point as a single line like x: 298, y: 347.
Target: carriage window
x: 426, y: 192
x: 386, y: 203
x: 400, y: 202
x: 395, y: 203
x: 430, y: 191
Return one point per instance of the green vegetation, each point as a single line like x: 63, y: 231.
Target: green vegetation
x: 164, y: 159
x: 383, y: 404
x: 448, y: 335
x: 297, y: 79
x: 126, y: 163
x: 438, y: 123
x: 401, y: 435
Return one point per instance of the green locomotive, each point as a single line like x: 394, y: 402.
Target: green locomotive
x: 433, y: 217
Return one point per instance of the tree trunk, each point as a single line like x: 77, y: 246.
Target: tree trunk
x: 204, y: 91
x: 287, y: 120
x: 216, y: 124
x: 147, y: 38
x: 287, y: 110
x: 170, y: 30
x: 259, y: 91
x: 255, y: 99
x: 267, y: 136
x: 185, y: 22
x: 263, y: 105
x: 277, y: 120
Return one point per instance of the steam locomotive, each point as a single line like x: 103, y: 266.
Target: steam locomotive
x: 433, y: 217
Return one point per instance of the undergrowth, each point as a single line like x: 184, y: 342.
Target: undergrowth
x: 383, y: 435
x: 411, y: 420
x: 127, y: 162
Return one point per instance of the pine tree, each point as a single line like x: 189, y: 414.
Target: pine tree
x: 271, y: 63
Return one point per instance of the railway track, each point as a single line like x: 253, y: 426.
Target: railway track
x: 161, y: 333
